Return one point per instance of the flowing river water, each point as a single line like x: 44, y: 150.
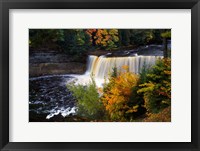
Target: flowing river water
x: 49, y: 96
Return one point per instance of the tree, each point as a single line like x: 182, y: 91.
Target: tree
x: 76, y: 41
x: 92, y: 33
x: 141, y: 36
x: 165, y: 35
x: 124, y: 37
x: 103, y: 38
x: 45, y: 38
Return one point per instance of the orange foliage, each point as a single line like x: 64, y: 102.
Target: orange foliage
x: 117, y: 94
x: 103, y: 37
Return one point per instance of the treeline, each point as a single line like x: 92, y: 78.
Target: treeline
x: 78, y: 41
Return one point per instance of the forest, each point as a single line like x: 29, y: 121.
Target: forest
x: 79, y: 41
x: 128, y: 75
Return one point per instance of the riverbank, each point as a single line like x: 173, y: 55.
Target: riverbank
x: 52, y: 62
x: 40, y: 69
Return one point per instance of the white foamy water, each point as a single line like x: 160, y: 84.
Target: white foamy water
x: 63, y: 112
x: 54, y: 99
x: 101, y: 67
x: 85, y: 79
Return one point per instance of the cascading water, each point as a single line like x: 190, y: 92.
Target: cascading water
x: 101, y: 66
x: 49, y: 95
x: 90, y: 64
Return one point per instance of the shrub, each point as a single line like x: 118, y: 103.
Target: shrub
x: 157, y: 88
x: 117, y: 96
x: 143, y: 73
x: 162, y: 116
x: 88, y: 102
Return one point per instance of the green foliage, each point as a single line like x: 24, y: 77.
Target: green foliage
x: 157, y: 88
x: 70, y: 41
x: 78, y: 41
x: 110, y: 45
x: 110, y: 39
x: 114, y: 71
x: 157, y: 38
x: 127, y: 96
x: 166, y: 34
x: 45, y: 38
x: 88, y: 102
x: 143, y: 73
x: 138, y: 37
x: 144, y: 37
x: 124, y: 37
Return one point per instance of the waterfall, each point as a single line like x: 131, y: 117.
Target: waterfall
x: 90, y: 64
x: 102, y: 66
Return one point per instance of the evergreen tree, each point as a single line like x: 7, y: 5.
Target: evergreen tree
x: 124, y: 37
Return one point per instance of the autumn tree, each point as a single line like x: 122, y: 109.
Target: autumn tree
x: 92, y: 33
x: 103, y: 38
x: 77, y: 41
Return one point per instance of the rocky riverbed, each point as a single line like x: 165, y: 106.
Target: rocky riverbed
x: 52, y: 62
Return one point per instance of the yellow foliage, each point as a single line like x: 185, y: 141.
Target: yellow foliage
x: 117, y: 95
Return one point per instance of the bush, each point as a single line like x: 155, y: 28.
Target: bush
x: 162, y: 116
x: 157, y: 88
x: 143, y: 73
x: 117, y: 96
x: 88, y: 102
x: 127, y: 96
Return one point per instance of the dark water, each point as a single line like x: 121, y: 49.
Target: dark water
x: 49, y: 97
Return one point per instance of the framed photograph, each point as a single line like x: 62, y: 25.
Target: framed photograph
x: 99, y: 75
